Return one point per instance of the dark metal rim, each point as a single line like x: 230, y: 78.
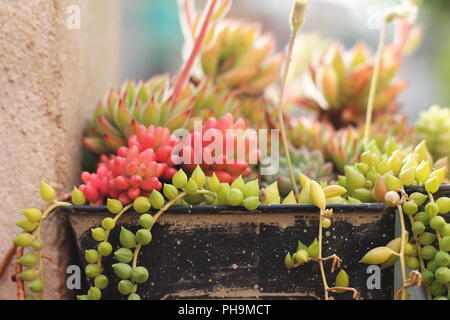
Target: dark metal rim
x: 443, y: 188
x: 278, y: 209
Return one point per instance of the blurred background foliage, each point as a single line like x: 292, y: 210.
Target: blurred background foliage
x: 152, y: 39
x: 438, y: 13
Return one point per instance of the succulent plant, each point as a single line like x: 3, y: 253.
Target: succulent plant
x: 237, y: 65
x: 210, y: 148
x: 118, y: 115
x: 135, y: 171
x: 149, y: 103
x: 255, y: 111
x: 305, y: 50
x: 434, y: 127
x: 309, y: 163
x: 343, y: 146
x: 241, y: 58
x: 346, y: 144
x: 214, y: 101
x: 394, y: 125
x: 235, y: 53
x: 385, y: 168
x: 210, y: 100
x: 309, y: 132
x: 337, y: 84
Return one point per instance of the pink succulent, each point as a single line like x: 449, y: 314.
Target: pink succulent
x: 135, y: 171
x: 233, y: 137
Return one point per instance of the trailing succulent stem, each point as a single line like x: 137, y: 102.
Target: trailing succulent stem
x: 186, y: 70
x: 374, y: 83
x: 314, y: 193
x: 30, y: 266
x: 405, y: 14
x: 322, y: 269
x: 418, y: 253
x: 296, y: 22
x: 7, y: 259
x: 404, y: 240
x: 197, y: 189
x: 418, y: 248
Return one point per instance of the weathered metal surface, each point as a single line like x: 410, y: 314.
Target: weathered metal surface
x: 207, y: 253
x: 444, y: 190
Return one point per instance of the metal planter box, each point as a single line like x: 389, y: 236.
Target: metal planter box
x: 211, y: 252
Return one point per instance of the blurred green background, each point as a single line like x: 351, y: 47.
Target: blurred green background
x: 152, y: 39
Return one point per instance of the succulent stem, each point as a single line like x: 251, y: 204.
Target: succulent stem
x: 295, y: 28
x: 18, y: 269
x: 158, y: 215
x: 404, y: 237
x: 356, y: 295
x: 116, y: 218
x: 45, y: 214
x: 19, y: 250
x: 320, y: 259
x: 7, y: 259
x: 419, y: 254
x: 430, y: 196
x: 135, y: 255
x: 186, y: 13
x: 438, y: 234
x: 374, y: 83
x: 185, y: 72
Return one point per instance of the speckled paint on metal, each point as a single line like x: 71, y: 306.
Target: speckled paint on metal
x: 207, y: 253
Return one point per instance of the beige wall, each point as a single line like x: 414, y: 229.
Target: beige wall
x: 50, y: 79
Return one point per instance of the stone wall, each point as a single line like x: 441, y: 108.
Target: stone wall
x: 50, y: 79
